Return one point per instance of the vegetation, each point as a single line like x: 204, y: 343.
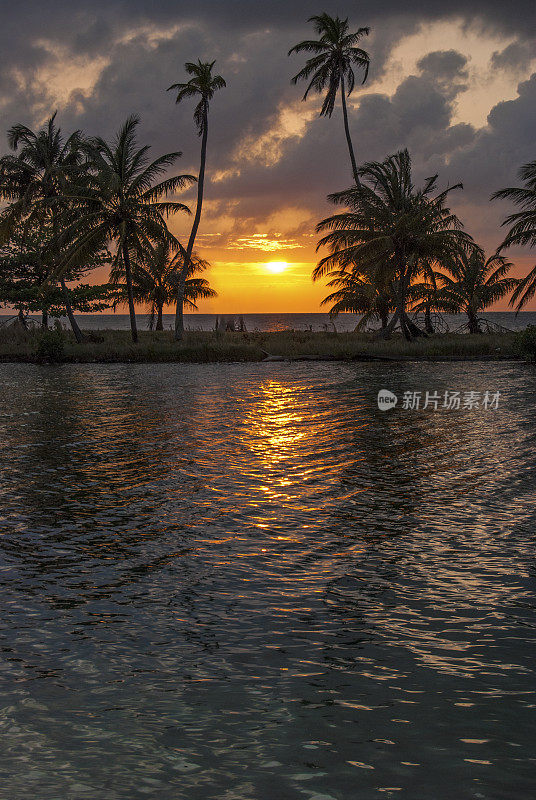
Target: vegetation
x: 27, y: 276
x: 522, y: 227
x: 36, y: 181
x: 76, y: 204
x: 332, y: 66
x: 360, y: 294
x: 474, y: 284
x: 203, y: 85
x: 119, y: 200
x: 525, y: 342
x: 155, y: 277
x: 392, y: 233
x: 17, y: 344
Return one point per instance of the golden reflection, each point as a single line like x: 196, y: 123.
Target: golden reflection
x: 276, y: 429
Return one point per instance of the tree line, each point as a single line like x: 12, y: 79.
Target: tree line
x: 78, y: 203
x: 397, y: 247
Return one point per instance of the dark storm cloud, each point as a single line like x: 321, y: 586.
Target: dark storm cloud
x: 250, y: 41
x: 516, y: 56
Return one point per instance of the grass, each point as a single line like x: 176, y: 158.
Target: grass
x: 111, y: 346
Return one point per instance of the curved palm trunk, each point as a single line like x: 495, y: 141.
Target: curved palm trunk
x: 412, y: 329
x: 347, y: 132
x: 428, y: 327
x: 407, y: 327
x: 69, y: 309
x: 78, y: 335
x: 131, y: 308
x: 179, y: 313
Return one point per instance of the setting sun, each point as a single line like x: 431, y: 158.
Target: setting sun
x: 276, y: 266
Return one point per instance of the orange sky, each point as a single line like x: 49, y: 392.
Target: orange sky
x: 271, y: 160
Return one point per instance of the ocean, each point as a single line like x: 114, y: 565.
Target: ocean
x: 278, y: 322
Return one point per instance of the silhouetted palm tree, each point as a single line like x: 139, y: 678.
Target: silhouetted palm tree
x: 36, y: 181
x: 523, y: 227
x: 332, y: 66
x: 121, y: 200
x: 392, y: 232
x: 155, y: 275
x: 203, y: 84
x: 357, y: 294
x: 474, y: 284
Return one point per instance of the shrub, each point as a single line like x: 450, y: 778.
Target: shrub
x: 525, y: 342
x: 50, y: 346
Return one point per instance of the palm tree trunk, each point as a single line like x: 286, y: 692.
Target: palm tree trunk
x: 404, y: 327
x: 412, y: 329
x: 179, y: 313
x: 384, y: 316
x: 78, y: 335
x: 44, y: 319
x: 22, y: 319
x: 347, y: 132
x: 69, y: 309
x: 474, y: 327
x: 428, y: 327
x: 159, y: 321
x: 131, y: 308
x: 385, y: 333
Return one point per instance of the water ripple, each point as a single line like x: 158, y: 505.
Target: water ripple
x: 246, y: 582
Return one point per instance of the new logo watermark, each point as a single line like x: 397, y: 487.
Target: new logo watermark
x: 386, y: 400
x: 445, y: 400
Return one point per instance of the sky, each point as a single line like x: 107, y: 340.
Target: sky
x: 453, y: 82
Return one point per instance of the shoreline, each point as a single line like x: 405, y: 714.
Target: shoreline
x: 115, y: 347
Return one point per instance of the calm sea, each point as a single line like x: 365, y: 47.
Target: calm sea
x: 277, y: 322
x: 245, y: 582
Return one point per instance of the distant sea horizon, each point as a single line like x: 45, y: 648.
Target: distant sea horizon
x: 276, y: 322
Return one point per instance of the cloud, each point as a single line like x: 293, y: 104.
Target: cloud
x: 444, y: 83
x: 516, y: 57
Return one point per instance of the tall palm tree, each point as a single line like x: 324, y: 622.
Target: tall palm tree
x: 155, y: 275
x: 392, y: 232
x: 523, y: 227
x: 332, y: 66
x: 36, y: 180
x: 121, y: 201
x: 203, y: 85
x: 474, y: 284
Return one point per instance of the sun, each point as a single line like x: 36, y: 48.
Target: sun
x: 276, y: 266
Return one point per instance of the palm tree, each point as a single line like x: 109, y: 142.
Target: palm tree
x: 423, y: 297
x: 391, y: 232
x: 155, y: 276
x: 357, y: 294
x: 203, y: 84
x: 523, y: 227
x: 474, y: 284
x: 332, y: 66
x: 121, y: 201
x: 36, y: 180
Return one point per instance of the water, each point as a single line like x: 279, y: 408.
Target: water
x: 245, y: 582
x: 278, y: 322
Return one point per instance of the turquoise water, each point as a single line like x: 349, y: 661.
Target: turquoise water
x: 246, y: 582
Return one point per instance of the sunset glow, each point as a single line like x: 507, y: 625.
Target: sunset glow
x: 276, y: 267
